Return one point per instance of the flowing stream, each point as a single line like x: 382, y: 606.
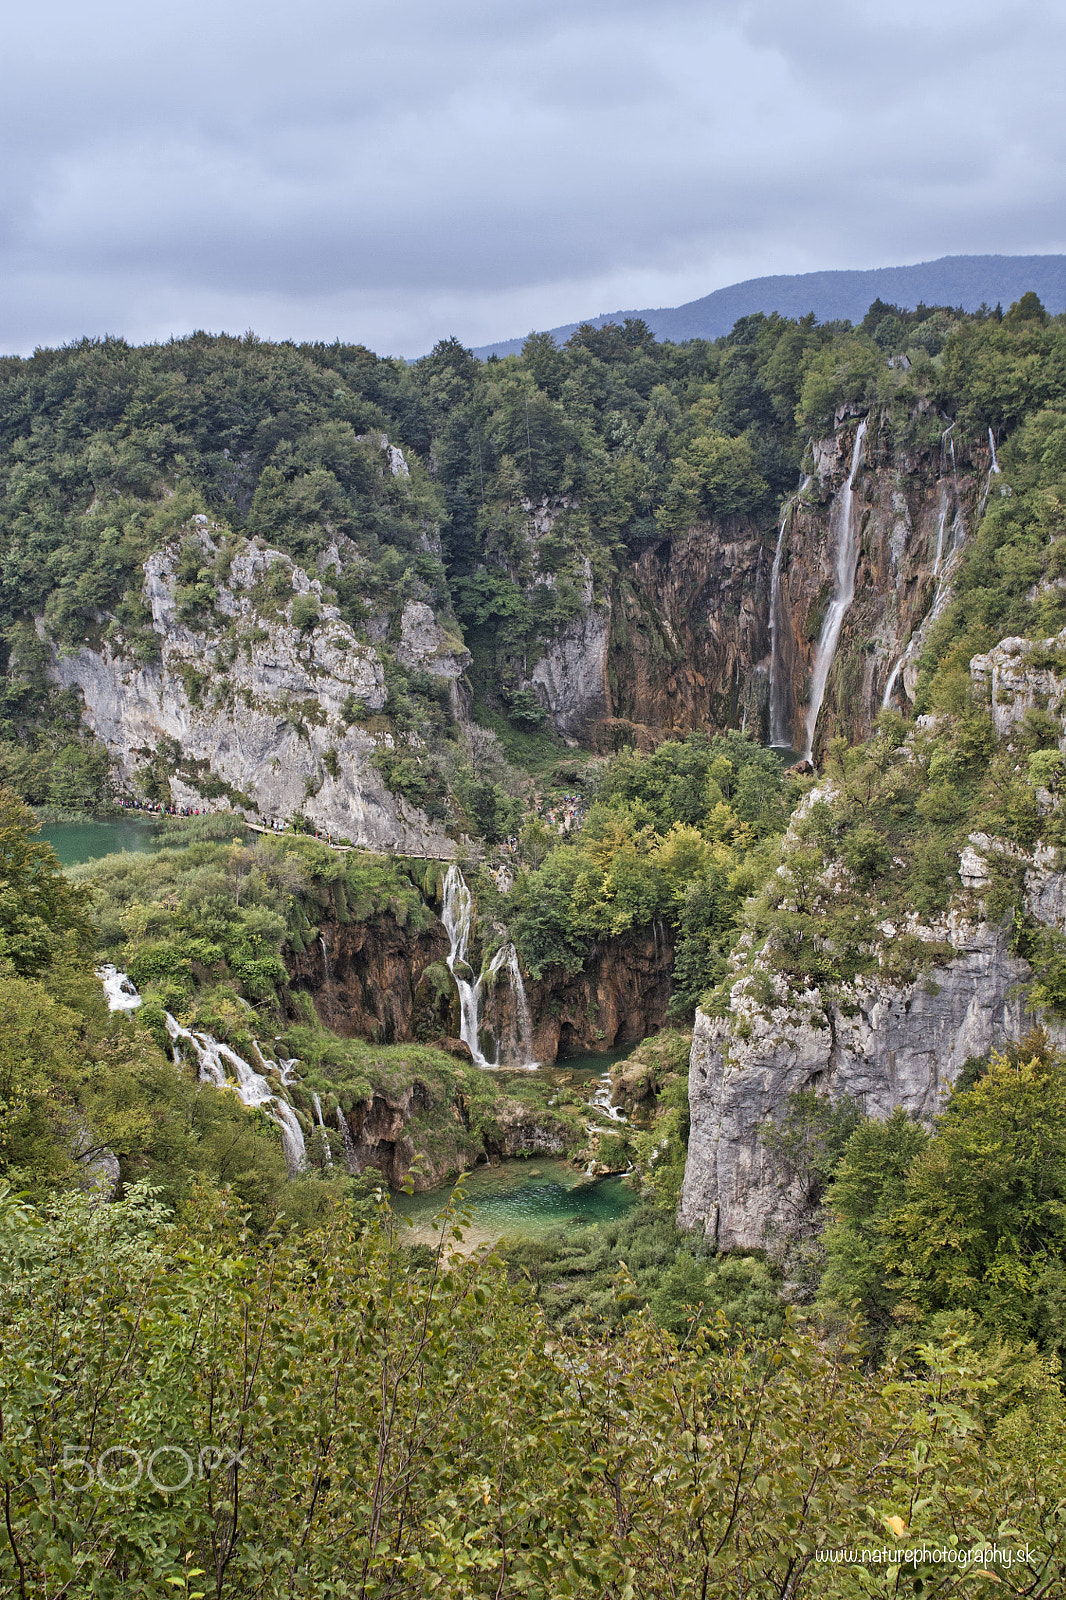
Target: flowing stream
x: 218, y: 1064
x: 844, y: 524
x: 458, y: 919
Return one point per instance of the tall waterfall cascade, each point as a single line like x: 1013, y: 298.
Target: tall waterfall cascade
x: 218, y: 1064
x: 844, y: 527
x: 458, y: 919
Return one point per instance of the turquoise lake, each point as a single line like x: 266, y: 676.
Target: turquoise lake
x: 75, y: 842
x: 528, y: 1198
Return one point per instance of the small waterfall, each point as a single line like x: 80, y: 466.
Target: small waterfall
x: 602, y: 1100
x: 351, y: 1158
x: 844, y: 521
x: 327, y: 978
x: 213, y: 1059
x: 992, y: 447
x: 893, y: 679
x: 458, y: 919
x: 118, y: 989
x: 780, y: 731
x: 945, y: 566
x: 779, y: 735
x: 316, y: 1102
x: 945, y: 501
x: 252, y: 1088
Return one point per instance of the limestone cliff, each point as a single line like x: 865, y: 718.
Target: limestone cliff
x: 619, y: 996
x: 882, y: 1043
x: 914, y: 513
x: 376, y: 980
x: 887, y: 1047
x: 690, y: 638
x: 260, y: 695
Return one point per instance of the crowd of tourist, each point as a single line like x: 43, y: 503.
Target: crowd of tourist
x: 157, y: 810
x: 564, y: 813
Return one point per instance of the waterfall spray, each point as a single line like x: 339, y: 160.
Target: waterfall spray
x: 844, y: 520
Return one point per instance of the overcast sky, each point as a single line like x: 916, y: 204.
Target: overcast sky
x: 395, y: 172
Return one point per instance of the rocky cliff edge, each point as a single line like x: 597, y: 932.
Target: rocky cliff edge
x: 256, y: 699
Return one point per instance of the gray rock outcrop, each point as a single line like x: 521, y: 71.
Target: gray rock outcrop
x: 257, y: 695
x: 1017, y: 683
x: 895, y: 1046
x: 882, y: 1044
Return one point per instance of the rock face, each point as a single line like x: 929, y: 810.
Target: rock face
x: 882, y: 1045
x: 1024, y: 675
x: 690, y: 632
x: 620, y: 995
x: 571, y: 678
x: 683, y: 638
x: 254, y: 699
x: 366, y: 979
x: 376, y: 980
x: 900, y: 1047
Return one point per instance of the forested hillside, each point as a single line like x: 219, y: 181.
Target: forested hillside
x: 535, y: 506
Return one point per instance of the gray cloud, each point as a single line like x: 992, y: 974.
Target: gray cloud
x: 392, y: 174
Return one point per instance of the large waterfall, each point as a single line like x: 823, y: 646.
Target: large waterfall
x: 220, y: 1065
x: 844, y: 526
x: 458, y: 919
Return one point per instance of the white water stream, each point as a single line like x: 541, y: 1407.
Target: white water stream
x: 218, y: 1064
x: 458, y: 919
x: 602, y: 1101
x: 844, y: 525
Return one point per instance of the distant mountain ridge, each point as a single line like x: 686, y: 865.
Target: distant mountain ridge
x: 967, y: 281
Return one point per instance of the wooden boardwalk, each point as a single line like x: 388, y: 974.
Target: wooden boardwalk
x: 346, y: 849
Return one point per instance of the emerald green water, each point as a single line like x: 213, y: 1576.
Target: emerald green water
x: 592, y: 1066
x: 75, y: 842
x: 527, y: 1198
